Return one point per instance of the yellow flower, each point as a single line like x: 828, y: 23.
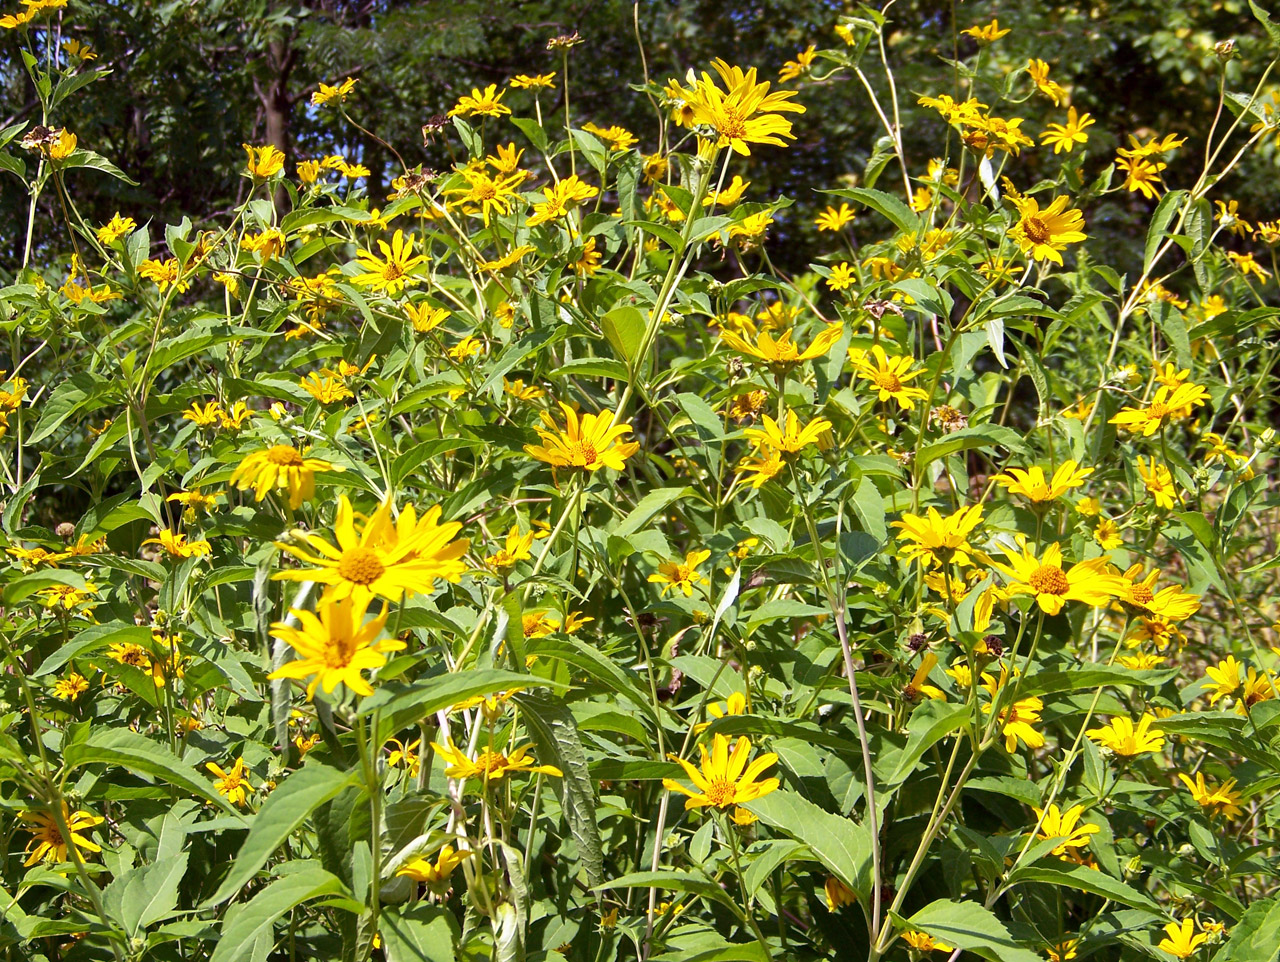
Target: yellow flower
x: 560, y: 198
x: 389, y: 273
x: 924, y: 943
x: 386, y: 558
x: 468, y: 347
x: 729, y: 196
x: 588, y: 262
x: 164, y: 274
x: 1158, y: 482
x: 486, y: 103
x: 488, y: 192
x: 538, y: 624
x: 1017, y: 720
x: 1230, y: 219
x: 1031, y: 484
x: 794, y: 68
x: 1246, y: 265
x: 735, y: 704
x: 335, y: 644
x: 424, y: 317
x: 63, y: 146
x: 835, y: 219
x: 1107, y: 534
x: 889, y: 376
x: 744, y: 113
x: 683, y: 575
x: 1143, y: 661
x: 434, y: 873
x: 986, y: 33
x: 326, y: 388
x: 308, y: 171
x: 1043, y: 233
x: 1055, y: 823
x: 842, y: 277
x: 618, y: 138
x: 1217, y: 800
x: 1039, y: 72
x: 524, y: 81
x: 1052, y: 587
x: 232, y: 784
x: 32, y: 558
x: 69, y: 598
x: 266, y: 244
x: 918, y: 685
x: 404, y: 756
x: 793, y: 439
x: 762, y: 469
x: 263, y: 161
x: 205, y: 416
x: 520, y: 392
x: 1063, y: 951
x: 591, y: 443
x: 781, y: 354
x: 489, y: 765
x: 1168, y: 604
x: 1182, y: 941
x: 280, y: 467
x: 725, y: 780
x: 1124, y: 738
x: 517, y: 549
x: 177, y: 545
x: 78, y: 50
x: 838, y: 894
x: 1167, y: 404
x: 937, y: 540
x: 1258, y: 686
x: 327, y: 94
x: 1141, y: 175
x: 116, y: 228
x: 1065, y: 136
x: 71, y: 687
x: 47, y: 842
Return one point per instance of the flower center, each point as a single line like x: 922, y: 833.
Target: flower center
x: 721, y: 792
x: 887, y: 381
x: 1036, y: 229
x: 284, y: 456
x: 490, y: 762
x: 1140, y: 594
x: 1049, y: 580
x: 392, y: 271
x: 1158, y: 411
x: 731, y: 126
x: 584, y: 452
x: 361, y: 565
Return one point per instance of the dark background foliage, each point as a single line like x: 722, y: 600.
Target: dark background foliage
x: 193, y: 80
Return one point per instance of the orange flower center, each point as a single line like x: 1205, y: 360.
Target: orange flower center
x: 284, y: 456
x: 887, y: 381
x: 490, y: 762
x: 584, y: 452
x: 361, y: 565
x: 1140, y: 594
x: 1049, y: 580
x: 721, y: 792
x: 732, y: 126
x: 1036, y: 229
x: 392, y: 271
x: 1158, y: 411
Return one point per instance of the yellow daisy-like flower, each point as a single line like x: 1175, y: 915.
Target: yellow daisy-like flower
x: 1039, y: 72
x: 47, y: 841
x: 1063, y: 951
x: 835, y: 219
x: 1052, y: 587
x: 280, y: 467
x: 842, y: 277
x: 1055, y: 823
x: 164, y: 274
x: 434, y: 873
x: 1182, y: 941
x: 517, y: 548
x: 735, y: 704
x: 590, y: 443
x: 386, y: 558
x: 177, y: 545
x: 263, y: 161
x: 560, y: 198
x: 524, y: 81
x: 115, y: 229
x: 1226, y: 679
x: 938, y: 541
x: 794, y: 68
x: 987, y: 32
x: 924, y: 943
x: 327, y: 388
x: 762, y: 469
x: 389, y: 273
x: 1017, y: 722
x: 781, y: 355
x: 1258, y: 686
x: 1141, y: 175
x: 1167, y: 404
x: 683, y: 575
x: 725, y: 780
x: 792, y: 439
x: 838, y: 894
x: 1158, y: 481
x: 484, y: 193
x: 71, y: 687
x: 889, y: 376
x: 745, y: 112
x: 489, y: 765
x: 1215, y: 799
x: 1031, y: 483
x: 204, y: 415
x: 335, y: 644
x: 1043, y: 233
x: 1246, y: 265
x: 1168, y: 604
x: 481, y: 103
x: 425, y: 317
x: 327, y: 94
x: 232, y: 784
x: 1125, y: 738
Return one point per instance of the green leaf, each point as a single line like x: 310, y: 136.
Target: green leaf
x: 841, y: 844
x: 68, y: 398
x: 673, y: 881
x: 1091, y: 677
x: 1085, y: 879
x: 901, y: 216
x: 931, y: 722
x: 1164, y: 213
x: 27, y: 585
x: 285, y: 809
x: 1253, y: 938
x: 604, y: 670
x: 591, y: 367
x: 91, y: 639
x: 409, y: 461
x: 246, y: 923
x: 624, y: 327
x: 94, y: 161
x: 967, y: 925
x: 145, y: 894
x: 555, y: 732
x: 1270, y: 26
x: 417, y: 933
x: 651, y: 504
x: 968, y: 439
x: 125, y: 749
